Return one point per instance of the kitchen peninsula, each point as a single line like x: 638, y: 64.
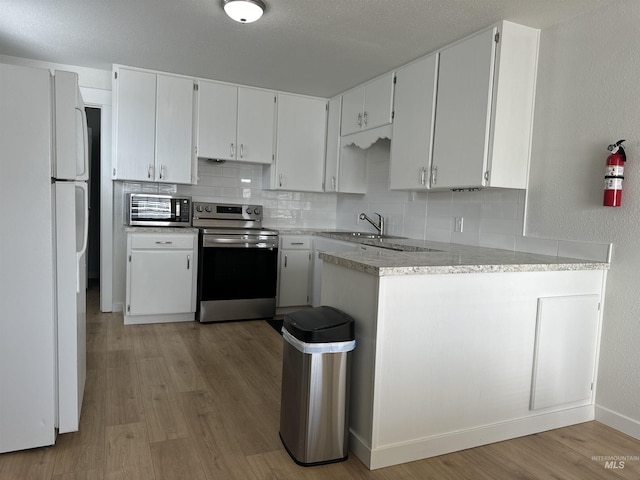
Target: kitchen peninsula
x: 463, y: 346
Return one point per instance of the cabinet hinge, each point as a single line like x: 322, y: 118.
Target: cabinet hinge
x: 326, y: 107
x: 275, y: 99
x: 592, y: 386
x: 599, y: 306
x: 395, y: 79
x: 115, y: 75
x: 393, y: 115
x: 195, y: 87
x: 129, y: 258
x: 128, y: 308
x: 497, y: 37
x: 114, y: 172
x: 486, y: 175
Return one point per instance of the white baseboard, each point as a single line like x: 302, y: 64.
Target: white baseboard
x: 144, y: 319
x: 461, y: 440
x: 618, y: 421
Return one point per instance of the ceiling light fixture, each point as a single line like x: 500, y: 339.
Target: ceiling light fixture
x: 244, y: 11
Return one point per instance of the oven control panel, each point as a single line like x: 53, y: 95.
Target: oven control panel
x: 207, y: 214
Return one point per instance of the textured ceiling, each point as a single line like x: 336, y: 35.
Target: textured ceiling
x: 320, y: 47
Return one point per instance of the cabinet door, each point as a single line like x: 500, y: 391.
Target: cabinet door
x: 352, y: 106
x: 333, y: 146
x: 217, y: 120
x: 301, y: 142
x: 378, y: 102
x: 412, y: 141
x: 174, y: 129
x: 294, y: 278
x: 463, y: 112
x: 160, y: 282
x: 135, y: 125
x: 256, y: 117
x: 565, y: 350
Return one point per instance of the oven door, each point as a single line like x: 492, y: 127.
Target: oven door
x: 237, y: 278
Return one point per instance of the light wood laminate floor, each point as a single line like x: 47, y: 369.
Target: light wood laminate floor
x: 191, y: 401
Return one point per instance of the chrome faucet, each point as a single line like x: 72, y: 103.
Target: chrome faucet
x: 379, y: 226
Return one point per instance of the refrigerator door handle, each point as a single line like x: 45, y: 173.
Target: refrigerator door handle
x: 85, y: 235
x: 84, y: 174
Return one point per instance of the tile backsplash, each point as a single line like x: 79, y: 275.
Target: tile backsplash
x: 490, y: 218
x: 234, y: 182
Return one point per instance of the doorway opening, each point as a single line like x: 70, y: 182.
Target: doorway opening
x: 93, y: 244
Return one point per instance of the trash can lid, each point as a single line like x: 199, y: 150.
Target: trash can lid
x: 320, y: 325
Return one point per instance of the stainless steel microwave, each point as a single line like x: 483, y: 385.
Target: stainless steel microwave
x: 143, y: 209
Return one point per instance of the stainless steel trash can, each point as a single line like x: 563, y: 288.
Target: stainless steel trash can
x: 314, y: 408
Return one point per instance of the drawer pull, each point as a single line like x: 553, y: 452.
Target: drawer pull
x: 164, y: 243
x: 297, y: 243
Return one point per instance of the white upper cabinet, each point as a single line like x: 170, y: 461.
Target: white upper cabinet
x: 217, y: 120
x: 368, y: 106
x: 235, y: 123
x: 333, y: 145
x: 256, y: 117
x: 486, y: 86
x: 345, y: 166
x: 414, y: 111
x: 300, y: 144
x: 154, y: 127
x: 174, y: 129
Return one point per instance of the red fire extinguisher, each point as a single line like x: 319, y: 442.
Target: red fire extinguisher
x: 614, y: 174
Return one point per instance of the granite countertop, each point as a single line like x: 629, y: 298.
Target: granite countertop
x: 418, y: 257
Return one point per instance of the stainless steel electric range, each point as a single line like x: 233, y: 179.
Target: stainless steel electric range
x: 237, y: 263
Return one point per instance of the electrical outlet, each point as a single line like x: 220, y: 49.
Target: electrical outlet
x: 459, y: 224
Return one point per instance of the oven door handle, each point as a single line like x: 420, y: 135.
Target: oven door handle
x: 238, y: 243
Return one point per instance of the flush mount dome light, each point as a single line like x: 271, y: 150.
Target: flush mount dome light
x: 244, y: 11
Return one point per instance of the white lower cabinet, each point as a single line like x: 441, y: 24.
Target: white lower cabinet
x: 293, y: 275
x: 161, y: 277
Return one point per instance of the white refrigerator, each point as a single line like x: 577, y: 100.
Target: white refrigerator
x: 43, y: 240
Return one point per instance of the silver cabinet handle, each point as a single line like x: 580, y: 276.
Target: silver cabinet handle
x: 188, y: 262
x: 333, y: 183
x: 149, y: 171
x: 365, y: 119
x: 232, y: 151
x: 285, y: 261
x: 359, y: 119
x: 161, y: 172
x: 242, y: 150
x: 434, y: 175
x: 164, y: 243
x: 280, y: 179
x: 297, y: 243
x: 423, y: 176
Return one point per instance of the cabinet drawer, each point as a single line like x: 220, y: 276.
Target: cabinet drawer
x: 164, y: 241
x: 295, y: 242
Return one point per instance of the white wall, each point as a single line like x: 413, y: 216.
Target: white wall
x: 587, y: 98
